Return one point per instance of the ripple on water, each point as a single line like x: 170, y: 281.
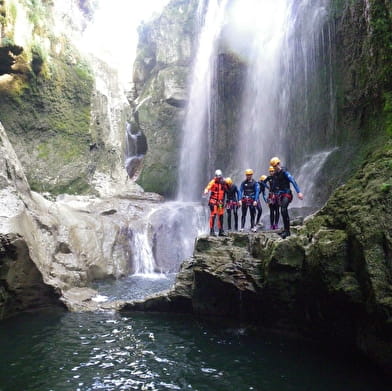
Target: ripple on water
x: 157, y: 352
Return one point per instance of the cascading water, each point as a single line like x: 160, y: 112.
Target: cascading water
x: 135, y: 149
x: 166, y: 237
x: 283, y: 63
x: 314, y: 165
x: 265, y: 97
x: 287, y: 104
x: 197, y: 155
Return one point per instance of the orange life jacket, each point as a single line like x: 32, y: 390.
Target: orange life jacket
x: 217, y: 187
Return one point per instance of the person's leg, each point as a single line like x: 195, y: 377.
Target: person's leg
x: 235, y: 212
x: 221, y: 211
x: 277, y: 215
x: 285, y: 216
x: 212, y: 219
x: 244, y: 210
x: 272, y: 216
x: 252, y: 210
x: 229, y: 219
x: 220, y: 221
x: 259, y: 212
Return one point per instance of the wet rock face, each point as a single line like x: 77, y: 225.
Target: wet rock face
x: 21, y: 283
x: 160, y: 76
x: 51, y: 247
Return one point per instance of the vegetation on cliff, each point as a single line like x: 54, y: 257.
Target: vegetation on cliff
x: 45, y: 101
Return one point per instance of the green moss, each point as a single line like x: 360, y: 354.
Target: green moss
x: 47, y: 115
x: 76, y: 186
x: 39, y: 57
x: 388, y: 112
x: 43, y: 151
x: 385, y: 187
x: 37, y: 15
x: 380, y: 21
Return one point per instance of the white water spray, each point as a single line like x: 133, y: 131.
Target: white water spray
x: 306, y: 178
x: 143, y: 259
x: 166, y: 237
x: 282, y: 62
x: 196, y: 151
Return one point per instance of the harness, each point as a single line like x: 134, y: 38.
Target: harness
x: 279, y: 195
x: 273, y: 199
x: 247, y: 201
x: 217, y: 194
x: 231, y: 205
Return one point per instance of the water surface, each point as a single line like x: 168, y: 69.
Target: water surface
x: 63, y: 351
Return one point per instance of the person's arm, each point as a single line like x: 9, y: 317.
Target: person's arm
x: 241, y: 192
x: 263, y: 186
x: 294, y: 183
x: 237, y: 193
x: 257, y: 193
x: 208, y: 187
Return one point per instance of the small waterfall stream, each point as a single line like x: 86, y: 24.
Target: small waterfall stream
x: 135, y: 149
x: 310, y: 169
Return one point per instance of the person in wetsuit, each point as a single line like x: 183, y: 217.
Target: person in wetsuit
x: 249, y: 194
x: 232, y: 198
x: 263, y: 186
x: 217, y: 188
x: 272, y: 200
x: 282, y: 190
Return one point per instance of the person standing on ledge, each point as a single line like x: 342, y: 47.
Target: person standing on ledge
x: 232, y: 198
x: 259, y: 208
x: 217, y: 188
x: 249, y: 194
x: 282, y: 190
x: 272, y: 200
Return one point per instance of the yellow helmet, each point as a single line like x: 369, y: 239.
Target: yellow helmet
x: 263, y: 178
x: 274, y: 161
x: 229, y: 181
x: 249, y: 171
x: 271, y: 169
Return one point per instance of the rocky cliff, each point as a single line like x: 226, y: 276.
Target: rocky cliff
x: 51, y: 250
x: 165, y: 51
x: 50, y: 97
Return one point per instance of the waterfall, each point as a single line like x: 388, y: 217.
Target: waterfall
x: 287, y: 107
x: 143, y: 260
x: 135, y: 149
x: 306, y: 177
x: 279, y: 92
x: 265, y: 96
x: 166, y: 237
x: 198, y: 131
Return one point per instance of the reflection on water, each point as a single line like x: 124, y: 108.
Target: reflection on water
x: 107, y: 351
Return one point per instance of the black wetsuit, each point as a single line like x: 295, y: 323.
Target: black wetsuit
x: 232, y: 198
x: 284, y: 193
x: 262, y: 186
x: 273, y: 202
x: 249, y: 190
